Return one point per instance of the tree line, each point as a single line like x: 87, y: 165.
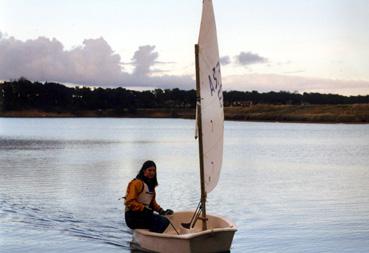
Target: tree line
x: 23, y: 94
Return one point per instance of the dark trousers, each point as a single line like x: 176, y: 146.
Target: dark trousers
x: 148, y: 220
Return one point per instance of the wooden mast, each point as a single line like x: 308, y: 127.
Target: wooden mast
x: 201, y: 153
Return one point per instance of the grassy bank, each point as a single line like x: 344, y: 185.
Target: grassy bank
x: 356, y: 113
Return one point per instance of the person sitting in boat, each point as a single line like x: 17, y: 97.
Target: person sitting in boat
x: 140, y: 202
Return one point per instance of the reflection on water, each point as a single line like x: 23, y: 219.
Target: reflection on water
x: 288, y: 187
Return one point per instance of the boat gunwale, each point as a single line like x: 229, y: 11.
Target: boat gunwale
x: 185, y: 236
x: 230, y: 228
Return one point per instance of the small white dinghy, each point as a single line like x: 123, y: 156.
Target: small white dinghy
x: 213, y: 233
x: 217, y: 238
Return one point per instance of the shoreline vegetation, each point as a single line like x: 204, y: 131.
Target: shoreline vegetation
x: 357, y: 113
x: 22, y: 98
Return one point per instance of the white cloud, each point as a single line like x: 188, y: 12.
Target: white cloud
x: 93, y: 63
x: 248, y: 58
x: 225, y: 60
x: 43, y: 59
x: 143, y: 59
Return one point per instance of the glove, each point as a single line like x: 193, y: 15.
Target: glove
x: 166, y: 212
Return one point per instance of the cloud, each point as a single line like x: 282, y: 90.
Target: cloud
x: 92, y: 63
x: 274, y: 82
x: 44, y: 59
x: 143, y: 59
x: 248, y: 58
x: 225, y: 60
x: 95, y: 63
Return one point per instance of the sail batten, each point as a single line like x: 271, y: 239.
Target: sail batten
x: 212, y: 115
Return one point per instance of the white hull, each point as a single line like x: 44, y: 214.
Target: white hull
x: 218, y: 237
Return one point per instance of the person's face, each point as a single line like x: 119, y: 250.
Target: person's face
x: 150, y: 172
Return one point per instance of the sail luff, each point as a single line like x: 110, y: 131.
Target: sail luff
x: 211, y: 99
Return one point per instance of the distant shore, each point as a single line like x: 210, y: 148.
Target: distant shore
x: 356, y: 113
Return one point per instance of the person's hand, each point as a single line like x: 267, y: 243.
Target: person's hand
x: 166, y: 212
x: 169, y: 212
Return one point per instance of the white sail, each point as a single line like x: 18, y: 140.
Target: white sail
x: 212, y: 114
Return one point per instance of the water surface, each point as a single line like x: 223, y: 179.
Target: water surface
x: 288, y: 187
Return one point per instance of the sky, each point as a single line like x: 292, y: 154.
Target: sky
x: 265, y: 45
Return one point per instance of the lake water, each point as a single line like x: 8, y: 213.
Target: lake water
x: 288, y: 187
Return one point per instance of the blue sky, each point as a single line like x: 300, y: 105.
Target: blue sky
x: 299, y: 45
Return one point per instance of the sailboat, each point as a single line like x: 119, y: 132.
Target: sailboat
x: 198, y: 231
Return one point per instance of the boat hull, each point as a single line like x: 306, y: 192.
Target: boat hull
x: 218, y: 237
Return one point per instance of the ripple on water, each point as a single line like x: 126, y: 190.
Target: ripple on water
x: 41, y: 219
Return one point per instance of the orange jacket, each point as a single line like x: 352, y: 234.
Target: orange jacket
x: 134, y: 189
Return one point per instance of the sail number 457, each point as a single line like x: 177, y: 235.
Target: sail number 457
x: 215, y: 83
